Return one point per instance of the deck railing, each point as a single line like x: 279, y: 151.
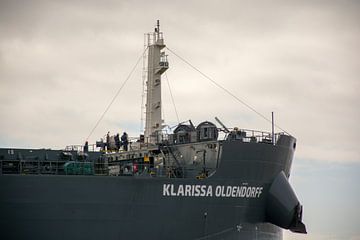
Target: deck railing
x: 135, y: 143
x: 248, y: 135
x: 80, y: 148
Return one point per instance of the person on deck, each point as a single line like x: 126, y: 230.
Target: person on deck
x: 124, y: 141
x: 86, y: 147
x: 117, y: 142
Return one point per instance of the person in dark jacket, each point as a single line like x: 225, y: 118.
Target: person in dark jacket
x: 117, y: 142
x: 86, y: 147
x: 124, y: 141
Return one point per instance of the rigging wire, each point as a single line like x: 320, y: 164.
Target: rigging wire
x: 116, y: 95
x: 172, y: 98
x: 226, y: 90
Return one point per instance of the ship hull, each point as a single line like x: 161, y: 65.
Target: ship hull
x: 104, y: 207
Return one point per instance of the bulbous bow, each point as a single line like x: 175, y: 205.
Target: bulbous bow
x: 282, y: 207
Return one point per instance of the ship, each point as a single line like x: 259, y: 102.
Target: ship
x: 187, y: 184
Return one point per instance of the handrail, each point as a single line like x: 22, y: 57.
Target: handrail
x: 80, y: 148
x: 249, y: 135
x: 144, y: 169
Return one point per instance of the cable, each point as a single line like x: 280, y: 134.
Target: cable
x: 226, y: 90
x: 117, y: 93
x: 172, y: 98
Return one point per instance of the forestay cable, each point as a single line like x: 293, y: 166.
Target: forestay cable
x: 116, y: 95
x: 172, y: 98
x: 224, y: 89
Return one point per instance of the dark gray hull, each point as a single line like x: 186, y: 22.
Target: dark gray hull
x: 103, y: 207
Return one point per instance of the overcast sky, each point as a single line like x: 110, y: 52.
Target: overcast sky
x: 61, y: 63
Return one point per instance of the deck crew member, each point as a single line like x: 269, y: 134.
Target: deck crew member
x: 86, y: 147
x: 117, y: 142
x: 124, y: 141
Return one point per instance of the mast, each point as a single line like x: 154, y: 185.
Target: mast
x: 157, y: 65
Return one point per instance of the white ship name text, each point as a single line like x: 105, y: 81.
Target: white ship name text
x: 189, y: 190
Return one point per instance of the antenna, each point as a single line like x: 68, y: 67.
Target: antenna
x: 272, y: 128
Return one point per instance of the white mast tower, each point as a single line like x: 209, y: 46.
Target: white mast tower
x: 157, y: 65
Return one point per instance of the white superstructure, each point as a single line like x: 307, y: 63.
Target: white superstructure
x: 157, y: 64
